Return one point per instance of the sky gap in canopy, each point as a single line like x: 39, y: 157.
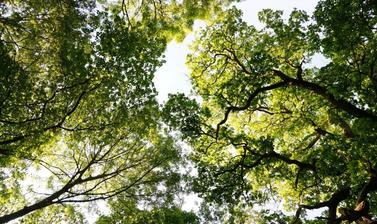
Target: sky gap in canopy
x: 173, y: 76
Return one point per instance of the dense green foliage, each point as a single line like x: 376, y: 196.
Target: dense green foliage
x: 79, y: 119
x: 272, y: 128
x: 124, y: 211
x: 159, y: 216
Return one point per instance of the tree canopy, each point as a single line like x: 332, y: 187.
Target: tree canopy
x: 124, y: 211
x: 79, y: 119
x: 78, y: 112
x: 274, y: 128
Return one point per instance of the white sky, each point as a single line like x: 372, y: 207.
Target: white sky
x: 173, y: 77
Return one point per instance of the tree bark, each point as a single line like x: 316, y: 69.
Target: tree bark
x: 322, y: 91
x: 38, y: 205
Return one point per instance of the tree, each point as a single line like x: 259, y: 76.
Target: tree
x: 72, y: 99
x: 55, y: 214
x: 160, y: 216
x: 273, y: 127
x: 78, y: 101
x: 58, y: 54
x: 124, y: 211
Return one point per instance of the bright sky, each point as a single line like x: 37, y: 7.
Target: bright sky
x: 173, y: 76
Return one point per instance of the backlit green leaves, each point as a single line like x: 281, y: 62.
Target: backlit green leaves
x: 279, y: 128
x: 78, y: 107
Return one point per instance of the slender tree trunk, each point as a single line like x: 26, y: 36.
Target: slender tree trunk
x: 38, y: 205
x: 26, y: 210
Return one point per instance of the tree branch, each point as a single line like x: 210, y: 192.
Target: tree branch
x: 248, y: 103
x: 322, y: 91
x: 332, y: 204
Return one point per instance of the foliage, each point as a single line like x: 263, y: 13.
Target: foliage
x: 187, y: 120
x: 173, y: 18
x: 55, y: 214
x: 79, y: 120
x: 275, y: 127
x: 124, y: 211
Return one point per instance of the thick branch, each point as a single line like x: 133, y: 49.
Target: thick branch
x: 290, y: 161
x: 248, y: 102
x: 322, y: 91
x: 79, y: 178
x: 332, y: 204
x: 370, y: 186
x: 269, y: 155
x: 39, y: 205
